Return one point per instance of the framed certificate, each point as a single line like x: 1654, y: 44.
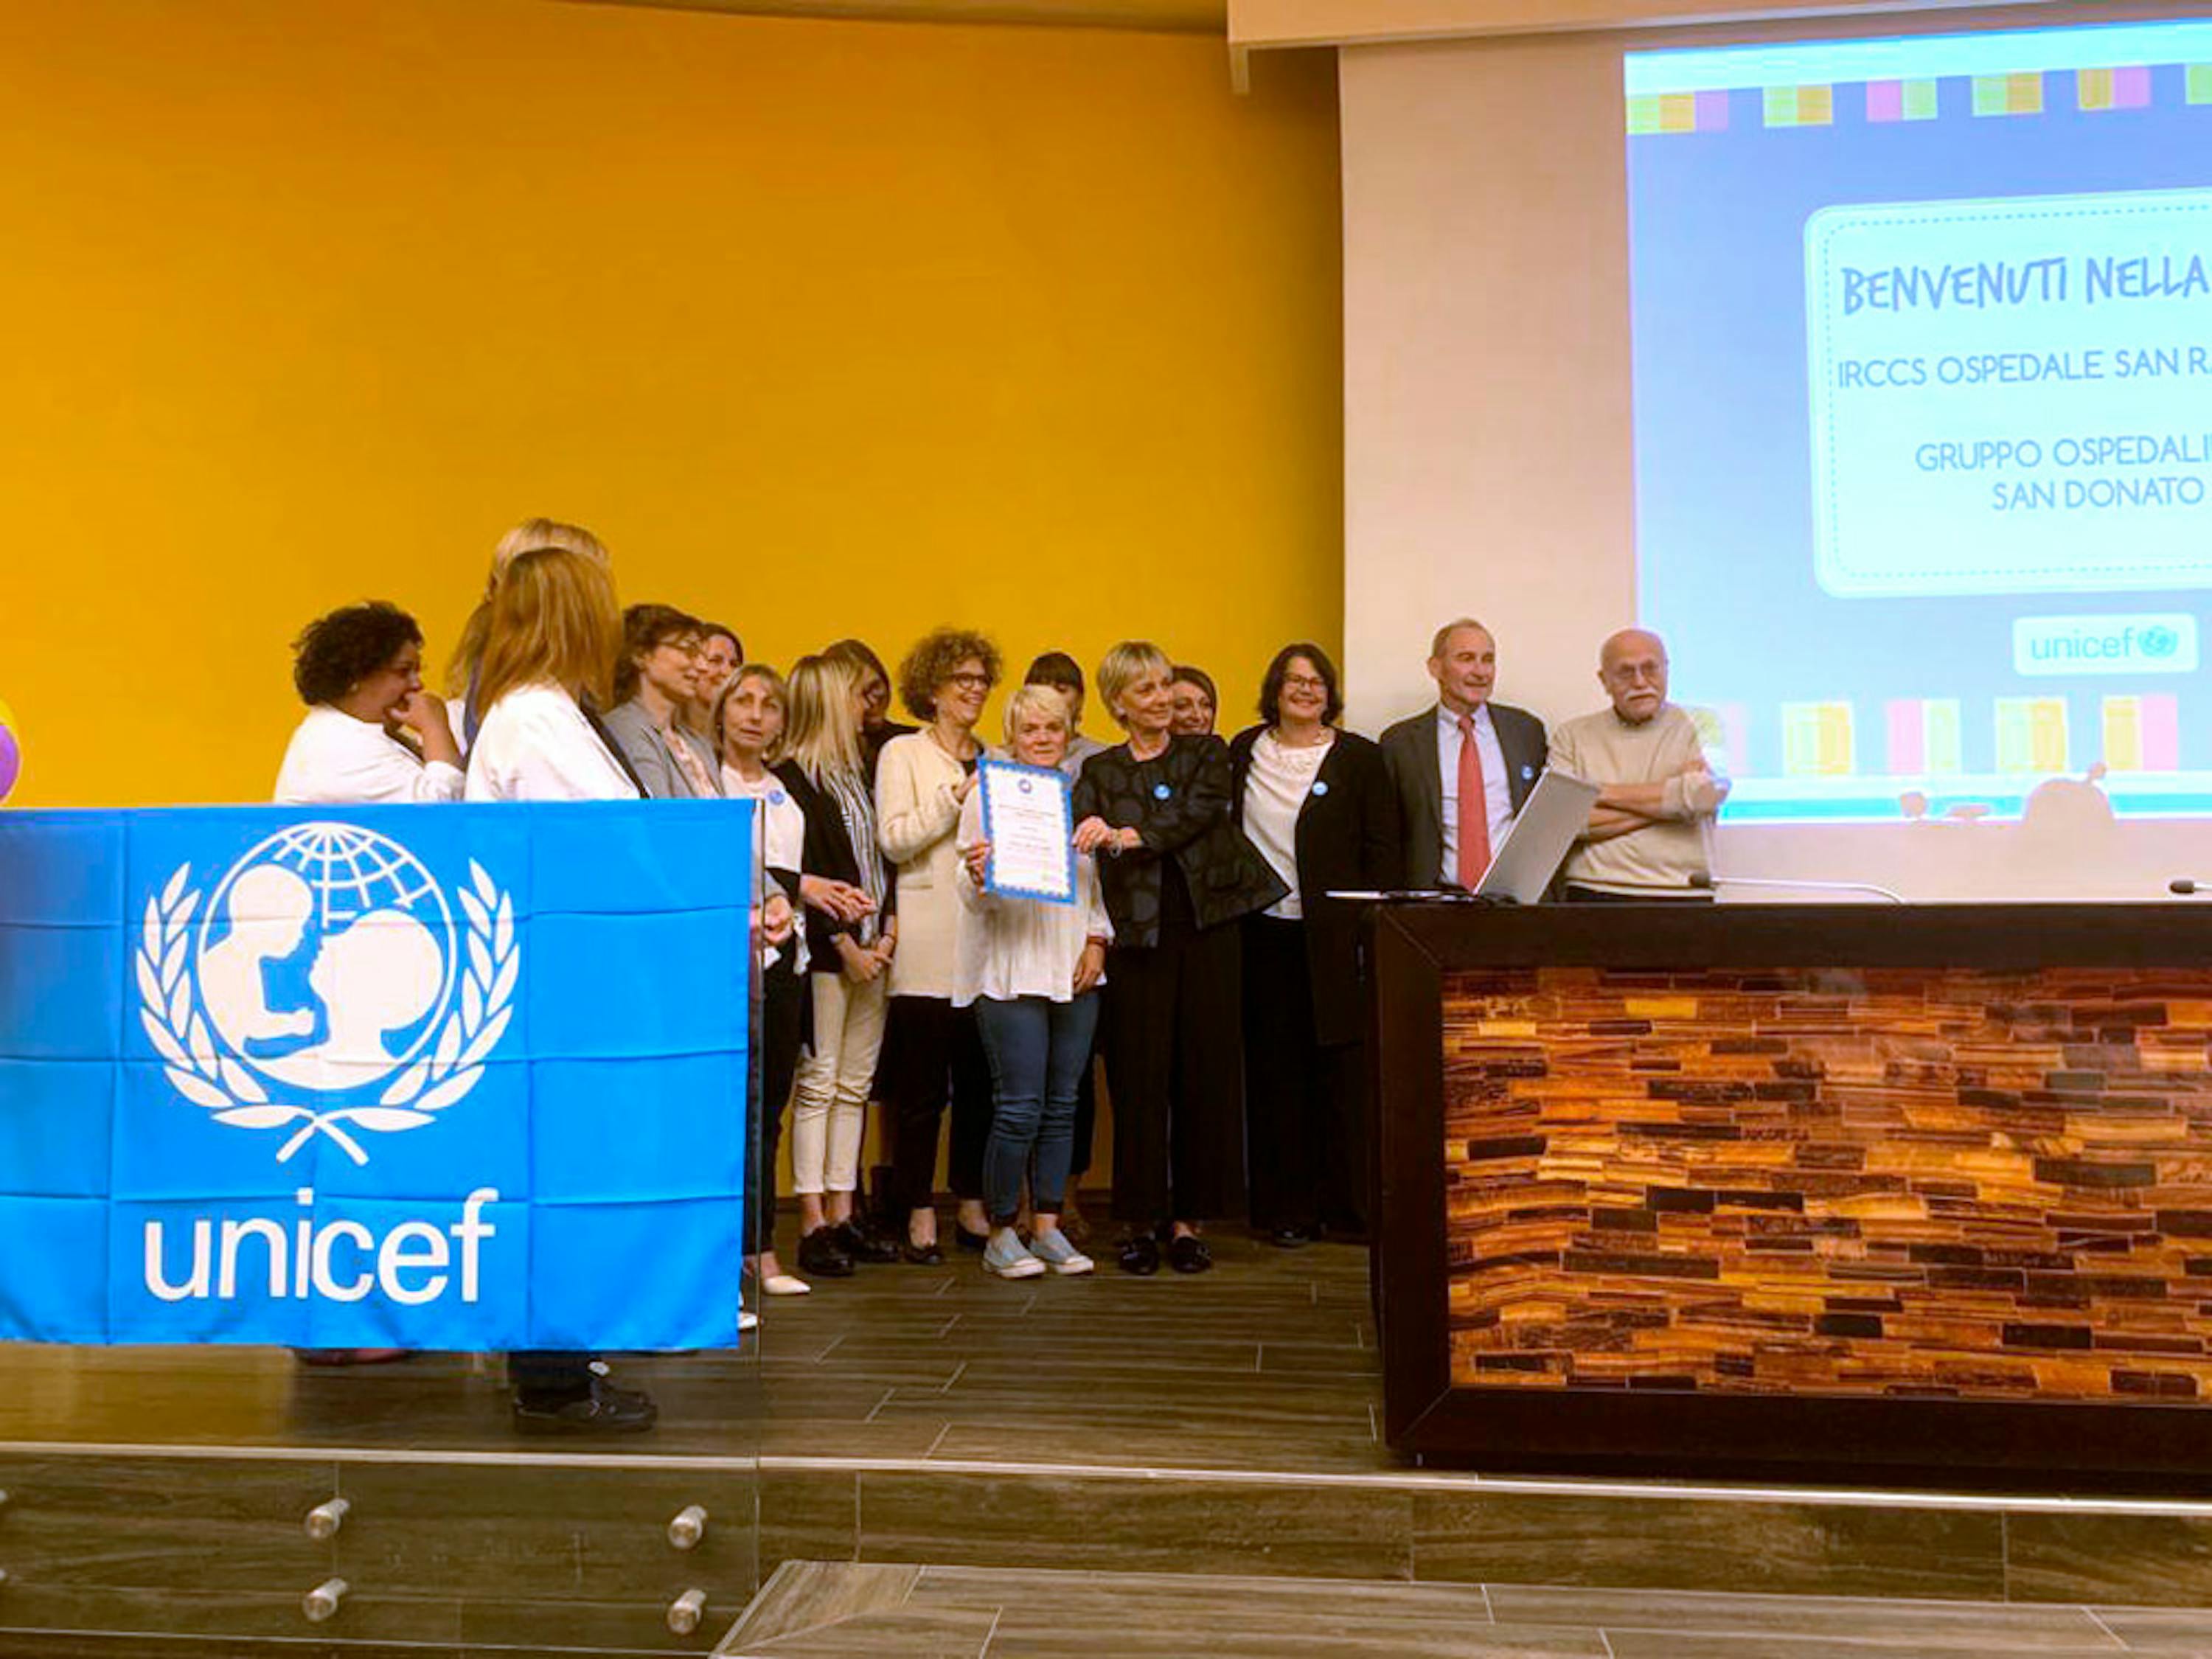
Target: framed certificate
x: 1029, y: 819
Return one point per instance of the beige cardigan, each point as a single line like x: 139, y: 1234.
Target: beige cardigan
x: 917, y: 812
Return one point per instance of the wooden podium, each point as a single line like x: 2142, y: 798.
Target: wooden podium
x: 1851, y: 1192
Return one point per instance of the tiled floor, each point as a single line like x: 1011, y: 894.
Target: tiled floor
x: 811, y: 1610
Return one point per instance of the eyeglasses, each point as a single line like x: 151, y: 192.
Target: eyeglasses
x: 1304, y: 682
x: 970, y: 682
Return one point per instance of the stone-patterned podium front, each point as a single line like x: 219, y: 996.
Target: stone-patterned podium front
x: 1881, y: 1181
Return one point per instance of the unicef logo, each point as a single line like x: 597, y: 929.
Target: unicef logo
x: 325, y: 987
x: 2159, y: 642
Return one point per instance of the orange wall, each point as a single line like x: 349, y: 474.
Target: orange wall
x: 826, y: 327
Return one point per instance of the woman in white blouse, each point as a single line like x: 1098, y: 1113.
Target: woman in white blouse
x: 748, y: 720
x: 933, y: 1052
x: 1031, y: 969
x: 550, y: 651
x: 372, y: 735
x: 1318, y: 803
x: 550, y: 645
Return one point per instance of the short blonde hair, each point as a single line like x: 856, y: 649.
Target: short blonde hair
x: 1123, y: 666
x: 1028, y: 700
x: 554, y: 620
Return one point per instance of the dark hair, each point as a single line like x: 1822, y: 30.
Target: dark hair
x: 1271, y: 684
x: 1056, y: 668
x: 935, y: 657
x: 714, y: 630
x: 335, y: 653
x: 646, y: 628
x: 1197, y: 677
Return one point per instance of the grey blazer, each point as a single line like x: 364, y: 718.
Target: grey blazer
x: 649, y: 755
x: 1410, y: 749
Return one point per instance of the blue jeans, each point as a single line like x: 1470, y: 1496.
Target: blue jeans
x: 1038, y: 1050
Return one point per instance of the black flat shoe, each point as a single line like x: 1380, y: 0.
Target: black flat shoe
x: 863, y: 1247
x: 976, y: 1244
x: 1291, y: 1238
x: 606, y: 1410
x: 923, y: 1256
x: 822, y: 1256
x: 1190, y: 1254
x: 1138, y: 1253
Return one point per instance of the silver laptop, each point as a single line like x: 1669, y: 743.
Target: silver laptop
x: 1555, y: 813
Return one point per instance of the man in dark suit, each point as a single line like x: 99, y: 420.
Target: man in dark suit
x: 1464, y: 767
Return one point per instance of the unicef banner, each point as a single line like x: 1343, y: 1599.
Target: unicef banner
x: 427, y: 1077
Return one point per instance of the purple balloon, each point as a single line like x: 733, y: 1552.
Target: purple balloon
x: 11, y: 761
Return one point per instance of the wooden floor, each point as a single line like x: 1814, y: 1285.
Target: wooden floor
x: 1269, y: 1362
x: 812, y: 1610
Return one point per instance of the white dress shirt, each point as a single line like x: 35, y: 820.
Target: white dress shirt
x: 335, y: 760
x: 1276, y: 786
x: 779, y: 833
x: 1496, y: 789
x: 534, y: 743
x: 1006, y: 948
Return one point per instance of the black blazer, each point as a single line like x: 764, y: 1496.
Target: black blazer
x: 827, y: 851
x: 1347, y: 837
x: 1178, y: 801
x: 1410, y: 747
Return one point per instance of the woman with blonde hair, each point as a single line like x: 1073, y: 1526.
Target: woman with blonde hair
x: 468, y: 650
x: 748, y: 723
x: 550, y: 643
x: 1030, y: 970
x: 1177, y: 874
x: 823, y: 767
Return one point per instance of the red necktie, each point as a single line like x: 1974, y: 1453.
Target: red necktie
x: 1474, y: 809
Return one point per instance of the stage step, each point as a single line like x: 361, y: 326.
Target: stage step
x: 825, y: 1610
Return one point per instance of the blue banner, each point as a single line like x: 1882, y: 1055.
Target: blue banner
x: 422, y: 1077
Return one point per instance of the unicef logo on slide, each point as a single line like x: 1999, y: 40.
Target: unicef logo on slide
x: 328, y: 986
x: 2163, y: 642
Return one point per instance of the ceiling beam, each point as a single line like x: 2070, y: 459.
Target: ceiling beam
x: 1258, y: 24
x: 1159, y: 16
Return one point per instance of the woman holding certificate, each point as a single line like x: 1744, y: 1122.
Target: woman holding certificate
x: 1177, y: 875
x: 1318, y: 803
x: 1030, y: 953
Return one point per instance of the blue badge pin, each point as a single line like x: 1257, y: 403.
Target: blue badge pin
x: 1161, y: 791
x: 1527, y: 773
x: 1320, y: 788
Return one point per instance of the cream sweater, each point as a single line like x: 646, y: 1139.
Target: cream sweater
x: 917, y: 812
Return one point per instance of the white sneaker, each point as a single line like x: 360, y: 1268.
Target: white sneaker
x: 1004, y: 1256
x: 1056, y: 1253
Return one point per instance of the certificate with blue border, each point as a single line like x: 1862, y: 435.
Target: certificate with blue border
x: 1029, y: 819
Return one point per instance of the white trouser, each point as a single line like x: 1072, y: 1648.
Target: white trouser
x: 829, y: 1095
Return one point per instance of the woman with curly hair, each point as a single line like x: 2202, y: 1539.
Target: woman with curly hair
x: 922, y: 779
x: 372, y: 735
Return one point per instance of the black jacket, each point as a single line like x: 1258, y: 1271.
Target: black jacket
x: 827, y: 851
x: 1410, y: 746
x: 1178, y: 802
x: 1347, y: 837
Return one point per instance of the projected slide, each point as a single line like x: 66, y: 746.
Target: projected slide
x: 1924, y: 413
